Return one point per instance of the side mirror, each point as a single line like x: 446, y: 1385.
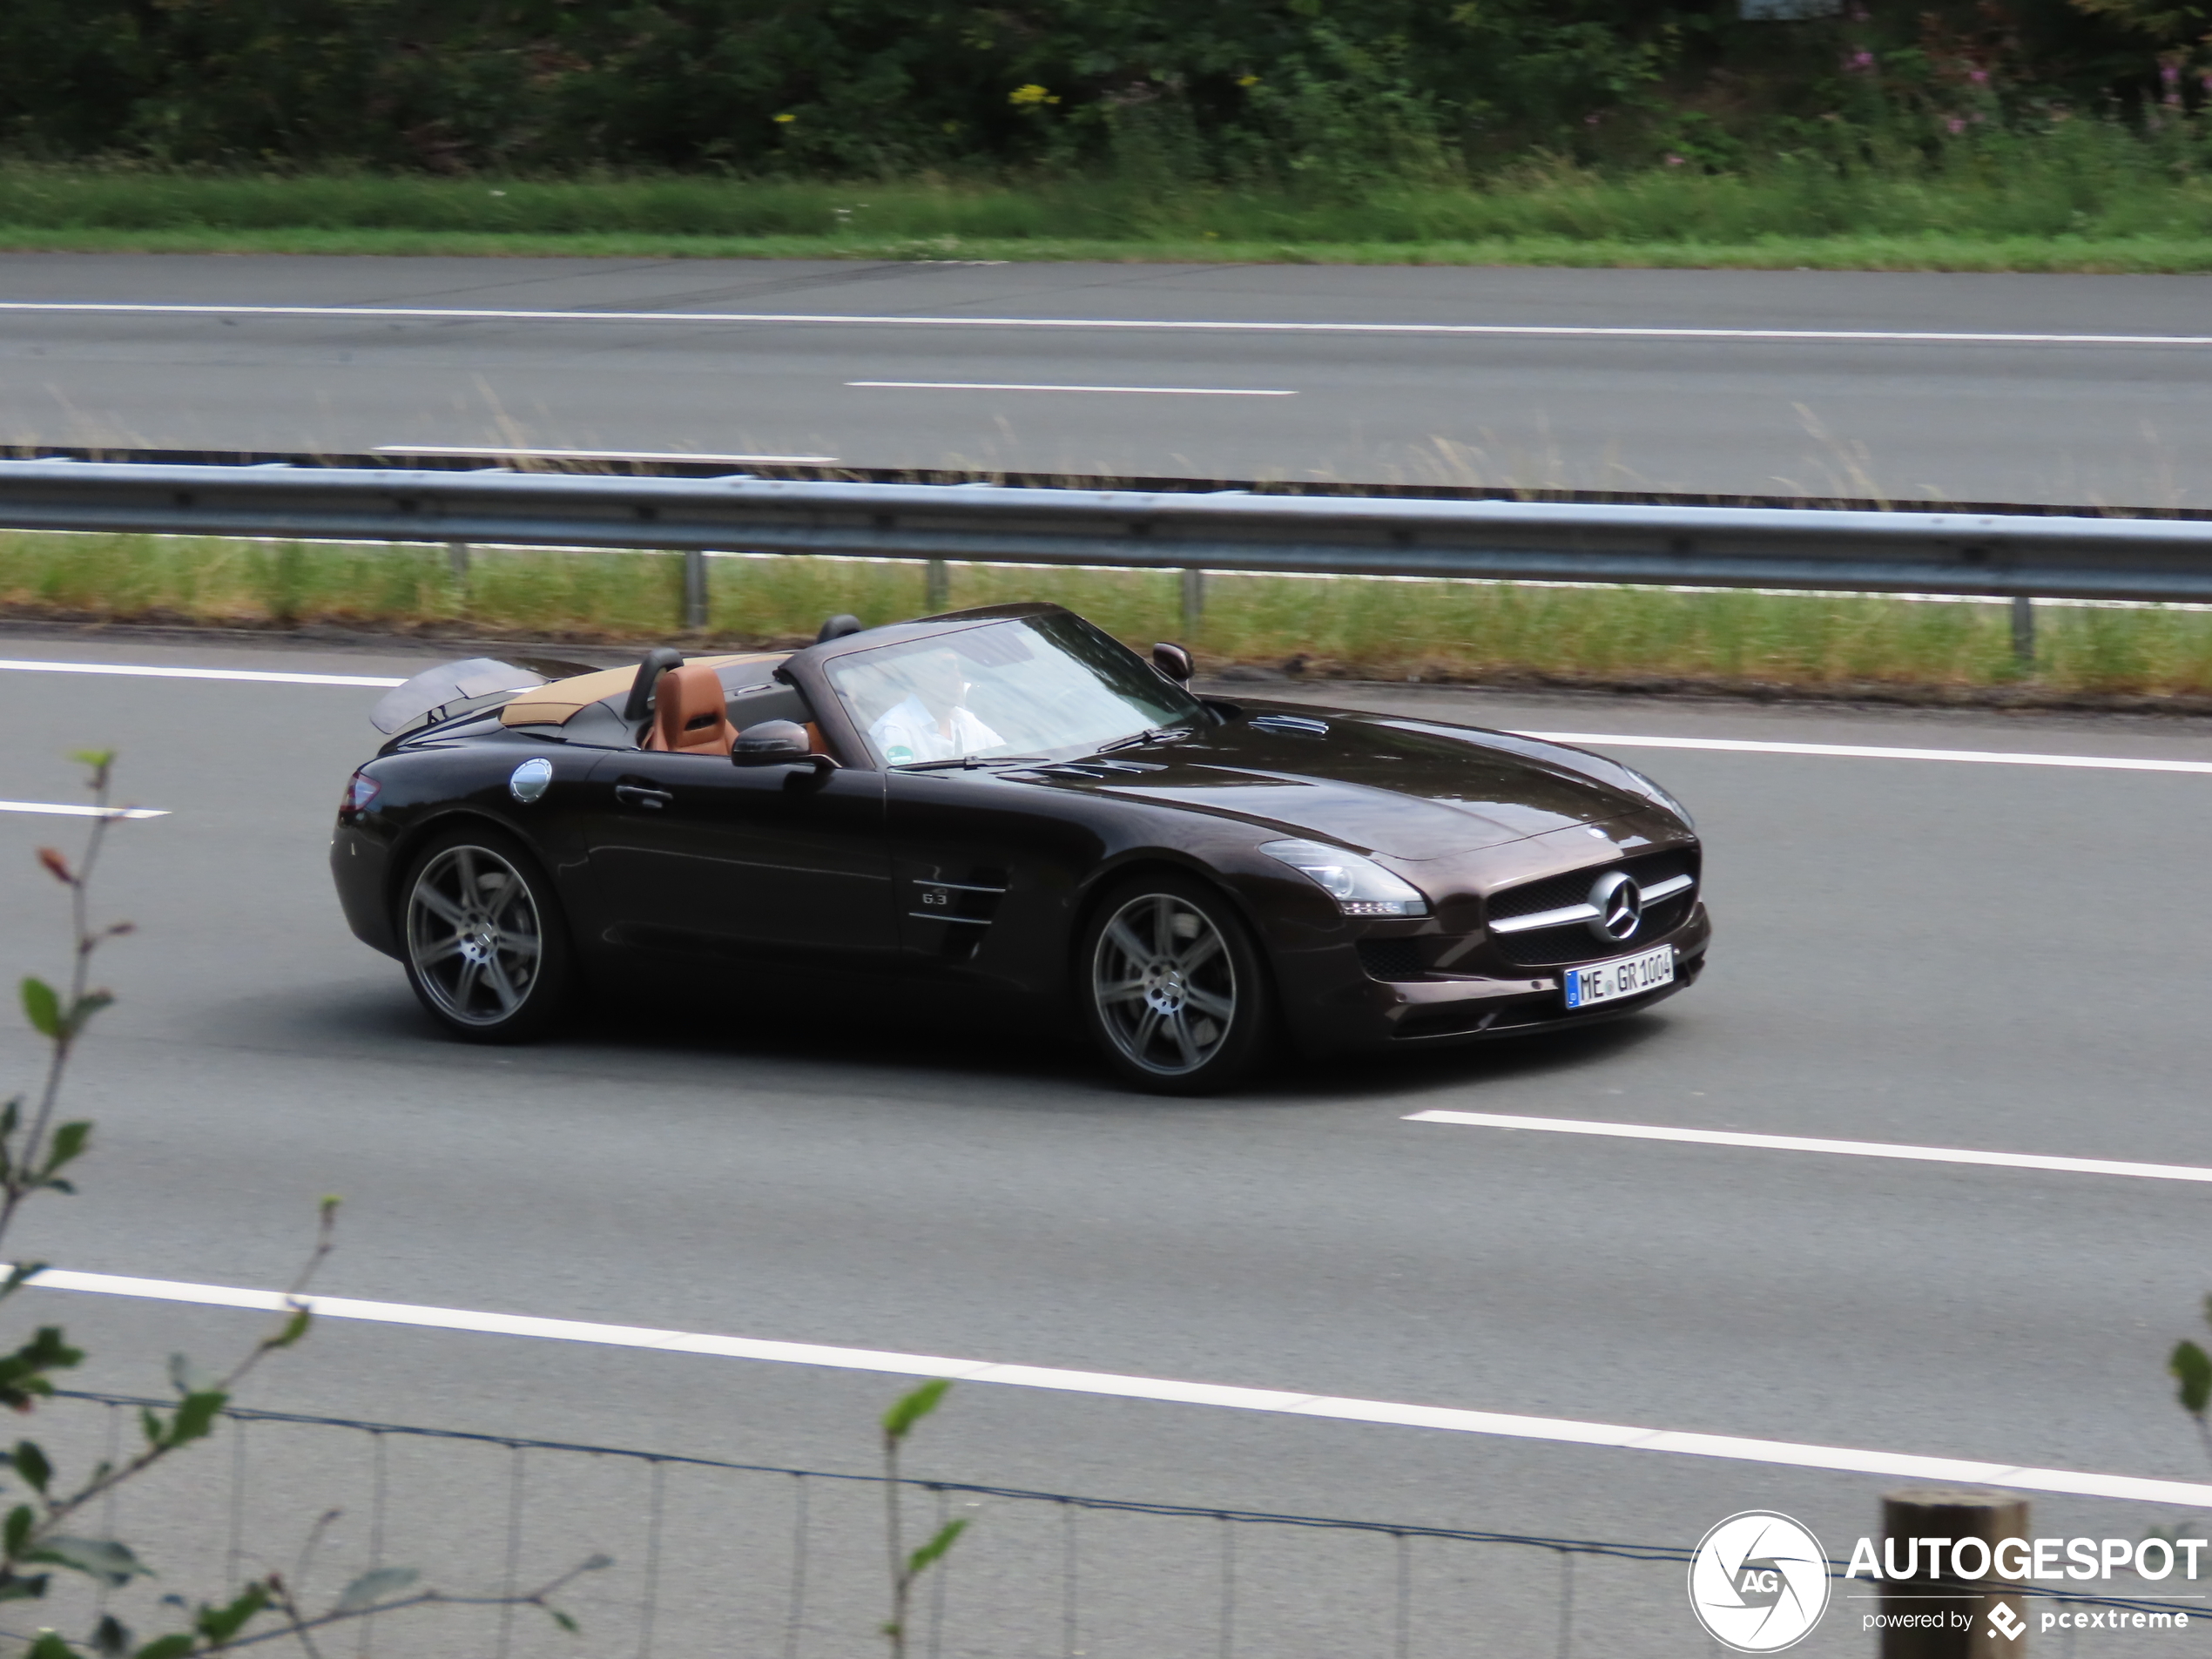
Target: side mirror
x: 776, y: 743
x: 1174, y: 662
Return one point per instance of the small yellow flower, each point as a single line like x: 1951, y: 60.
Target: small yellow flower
x: 785, y: 120
x: 1248, y: 80
x: 1028, y: 97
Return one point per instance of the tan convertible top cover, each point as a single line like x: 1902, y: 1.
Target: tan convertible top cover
x: 560, y: 701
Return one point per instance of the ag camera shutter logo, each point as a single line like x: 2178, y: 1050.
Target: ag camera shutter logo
x: 1758, y: 1582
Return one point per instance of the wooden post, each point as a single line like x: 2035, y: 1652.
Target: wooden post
x: 1981, y: 1614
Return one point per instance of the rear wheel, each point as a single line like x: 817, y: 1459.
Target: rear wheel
x: 1174, y: 992
x: 486, y: 951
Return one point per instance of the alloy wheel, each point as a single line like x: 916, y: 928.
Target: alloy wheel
x: 473, y: 935
x: 1164, y: 984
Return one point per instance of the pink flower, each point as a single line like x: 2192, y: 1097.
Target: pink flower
x: 1957, y: 126
x: 2170, y: 73
x: 1673, y: 161
x: 1860, y: 60
x: 1979, y: 76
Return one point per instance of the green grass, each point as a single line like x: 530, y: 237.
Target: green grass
x: 2093, y: 199
x: 1364, y: 628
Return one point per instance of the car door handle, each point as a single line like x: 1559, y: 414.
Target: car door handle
x: 642, y: 795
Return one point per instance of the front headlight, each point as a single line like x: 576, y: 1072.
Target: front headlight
x: 1360, y: 886
x: 1657, y: 796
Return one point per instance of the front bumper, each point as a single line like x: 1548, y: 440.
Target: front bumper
x: 1335, y: 1006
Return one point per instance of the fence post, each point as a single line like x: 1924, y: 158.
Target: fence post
x: 1981, y: 1614
x: 936, y: 587
x: 1193, y: 602
x: 457, y: 562
x: 2024, y: 631
x: 694, y: 590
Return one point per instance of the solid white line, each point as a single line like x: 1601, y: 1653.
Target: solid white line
x: 82, y: 812
x: 1565, y: 1430
x: 256, y: 674
x: 1495, y: 330
x: 982, y: 386
x: 466, y: 450
x: 1804, y: 1144
x: 1861, y: 752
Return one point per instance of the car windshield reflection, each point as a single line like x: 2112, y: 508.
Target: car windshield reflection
x: 1027, y: 688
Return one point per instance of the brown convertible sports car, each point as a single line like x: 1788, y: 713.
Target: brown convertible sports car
x: 1007, y: 810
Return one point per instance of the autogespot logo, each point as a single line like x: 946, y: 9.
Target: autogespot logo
x: 1758, y: 1582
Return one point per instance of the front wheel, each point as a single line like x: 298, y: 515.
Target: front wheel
x: 1173, y: 991
x: 486, y: 952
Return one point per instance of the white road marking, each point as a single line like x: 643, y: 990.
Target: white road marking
x: 82, y: 812
x: 1725, y: 746
x: 1565, y: 1431
x: 1496, y: 330
x: 1805, y: 1143
x: 982, y: 386
x: 1863, y: 752
x: 469, y: 451
x: 254, y: 674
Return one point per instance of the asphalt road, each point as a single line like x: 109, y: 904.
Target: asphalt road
x: 1991, y: 957
x: 2015, y: 415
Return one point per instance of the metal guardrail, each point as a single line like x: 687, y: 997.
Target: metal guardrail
x: 1974, y: 554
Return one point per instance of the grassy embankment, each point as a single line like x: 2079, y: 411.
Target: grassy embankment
x: 2099, y: 199
x: 1361, y: 629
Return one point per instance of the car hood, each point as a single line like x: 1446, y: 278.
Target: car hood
x: 1407, y: 789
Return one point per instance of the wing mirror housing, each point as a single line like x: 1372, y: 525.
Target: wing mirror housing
x: 777, y: 743
x: 1174, y: 662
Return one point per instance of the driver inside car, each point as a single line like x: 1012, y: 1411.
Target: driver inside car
x: 933, y: 722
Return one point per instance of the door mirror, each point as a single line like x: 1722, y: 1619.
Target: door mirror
x: 772, y: 743
x: 1174, y: 662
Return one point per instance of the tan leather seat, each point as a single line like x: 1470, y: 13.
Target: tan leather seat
x: 688, y: 717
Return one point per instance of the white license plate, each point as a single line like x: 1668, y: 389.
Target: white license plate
x: 1625, y: 976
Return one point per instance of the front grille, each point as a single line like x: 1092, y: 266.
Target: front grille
x: 1574, y: 942
x: 1393, y: 958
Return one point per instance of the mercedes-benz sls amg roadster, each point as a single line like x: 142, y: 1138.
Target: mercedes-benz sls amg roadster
x: 1007, y: 810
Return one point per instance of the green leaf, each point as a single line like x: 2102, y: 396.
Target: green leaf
x: 194, y: 1418
x: 50, y: 1645
x: 294, y: 1328
x: 98, y: 759
x: 31, y: 1463
x: 174, y: 1647
x: 936, y: 1548
x: 68, y: 1145
x: 563, y: 1620
x: 23, y: 1377
x: 82, y: 1011
x: 16, y: 1532
x: 910, y: 1408
x: 150, y: 1426
x: 2192, y: 1368
x: 42, y: 1008
x: 16, y: 1586
x: 220, y: 1624
x: 371, y: 1587
x: 101, y: 1558
x: 112, y: 1638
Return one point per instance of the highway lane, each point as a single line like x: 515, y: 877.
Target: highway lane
x: 1957, y: 955
x: 2022, y: 416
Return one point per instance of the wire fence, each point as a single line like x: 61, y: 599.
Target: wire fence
x: 715, y: 1557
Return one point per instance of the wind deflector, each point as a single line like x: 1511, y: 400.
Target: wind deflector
x: 473, y: 678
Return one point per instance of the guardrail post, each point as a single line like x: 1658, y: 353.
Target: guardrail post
x: 694, y: 590
x: 2024, y: 631
x: 457, y: 562
x: 1969, y: 1613
x: 936, y: 587
x: 1193, y: 602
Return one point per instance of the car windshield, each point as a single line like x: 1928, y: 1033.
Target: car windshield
x: 1048, y: 687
